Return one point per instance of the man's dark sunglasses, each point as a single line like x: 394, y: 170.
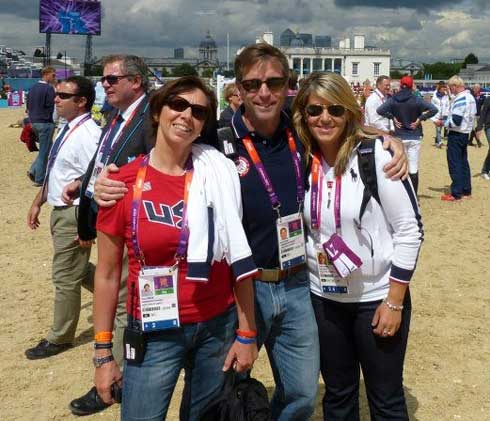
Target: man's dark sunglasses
x: 335, y: 110
x: 113, y: 79
x: 65, y: 95
x: 179, y: 104
x: 273, y: 83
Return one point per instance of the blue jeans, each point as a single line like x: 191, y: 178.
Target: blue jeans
x: 44, y: 133
x: 347, y: 342
x: 438, y: 135
x: 287, y: 328
x: 486, y: 163
x: 457, y: 161
x: 198, y: 348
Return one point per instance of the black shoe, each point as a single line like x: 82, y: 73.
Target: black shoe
x: 45, y: 349
x: 88, y: 404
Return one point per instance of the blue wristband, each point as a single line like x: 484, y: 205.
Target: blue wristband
x: 246, y: 341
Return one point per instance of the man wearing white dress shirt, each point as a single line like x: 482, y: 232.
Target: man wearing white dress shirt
x: 378, y: 97
x: 69, y: 158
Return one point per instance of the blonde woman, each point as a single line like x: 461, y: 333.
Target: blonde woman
x: 360, y: 295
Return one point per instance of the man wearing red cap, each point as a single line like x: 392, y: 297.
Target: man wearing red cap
x: 407, y: 112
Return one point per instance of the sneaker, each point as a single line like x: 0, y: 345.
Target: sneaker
x: 485, y: 176
x: 449, y: 198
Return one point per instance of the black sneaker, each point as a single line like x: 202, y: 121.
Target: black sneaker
x: 45, y: 349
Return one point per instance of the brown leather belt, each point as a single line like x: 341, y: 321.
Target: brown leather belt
x: 277, y: 275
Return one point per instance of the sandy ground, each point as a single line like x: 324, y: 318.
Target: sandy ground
x: 447, y: 372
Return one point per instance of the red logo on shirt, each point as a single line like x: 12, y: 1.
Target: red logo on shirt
x: 242, y: 166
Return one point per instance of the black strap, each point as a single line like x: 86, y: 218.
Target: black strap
x: 227, y: 143
x: 367, y: 170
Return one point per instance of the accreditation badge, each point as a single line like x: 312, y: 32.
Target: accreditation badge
x: 98, y: 167
x: 330, y: 282
x: 291, y: 240
x: 158, y: 298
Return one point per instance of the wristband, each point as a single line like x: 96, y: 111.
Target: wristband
x: 246, y: 341
x: 103, y: 345
x: 246, y: 333
x: 103, y: 337
x: 392, y: 307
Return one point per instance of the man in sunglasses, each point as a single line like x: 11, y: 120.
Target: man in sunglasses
x: 69, y: 158
x: 126, y: 135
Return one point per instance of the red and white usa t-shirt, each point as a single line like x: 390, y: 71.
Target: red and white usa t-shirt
x: 159, y: 222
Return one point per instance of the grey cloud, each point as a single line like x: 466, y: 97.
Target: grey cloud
x: 394, y: 4
x: 27, y: 9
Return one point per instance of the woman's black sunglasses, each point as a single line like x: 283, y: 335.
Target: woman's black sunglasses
x: 335, y: 110
x: 199, y: 112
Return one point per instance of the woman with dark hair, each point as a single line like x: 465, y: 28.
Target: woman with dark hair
x: 360, y: 294
x: 181, y: 222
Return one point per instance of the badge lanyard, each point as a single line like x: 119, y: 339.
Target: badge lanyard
x: 316, y: 195
x: 135, y: 205
x: 264, y: 177
x: 54, y: 153
x: 104, y: 143
x: 382, y: 98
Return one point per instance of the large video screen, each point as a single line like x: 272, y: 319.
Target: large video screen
x: 80, y: 17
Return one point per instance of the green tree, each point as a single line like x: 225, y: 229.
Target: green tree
x: 207, y: 73
x: 59, y: 56
x: 185, y: 69
x: 38, y: 53
x: 470, y: 59
x: 442, y: 71
x: 165, y: 72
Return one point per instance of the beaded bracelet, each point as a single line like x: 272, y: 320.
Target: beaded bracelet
x: 246, y: 341
x: 392, y: 307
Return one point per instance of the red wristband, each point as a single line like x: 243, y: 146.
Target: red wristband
x: 247, y: 333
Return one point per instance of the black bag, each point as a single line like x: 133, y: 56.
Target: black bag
x: 241, y: 400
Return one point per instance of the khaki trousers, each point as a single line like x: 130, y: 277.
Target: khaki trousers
x: 71, y: 271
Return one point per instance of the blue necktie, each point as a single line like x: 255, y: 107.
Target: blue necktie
x: 53, y: 153
x: 110, y: 139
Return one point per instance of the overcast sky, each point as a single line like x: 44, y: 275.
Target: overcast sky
x: 420, y: 30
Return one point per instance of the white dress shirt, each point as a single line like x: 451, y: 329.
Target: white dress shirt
x: 371, y: 117
x: 76, y: 152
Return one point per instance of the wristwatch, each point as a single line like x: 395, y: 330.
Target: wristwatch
x: 99, y: 361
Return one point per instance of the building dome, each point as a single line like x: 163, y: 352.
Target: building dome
x: 208, y: 42
x: 297, y: 42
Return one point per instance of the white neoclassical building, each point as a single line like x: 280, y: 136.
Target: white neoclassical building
x: 354, y: 61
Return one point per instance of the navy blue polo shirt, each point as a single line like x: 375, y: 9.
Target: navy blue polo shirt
x: 259, y: 218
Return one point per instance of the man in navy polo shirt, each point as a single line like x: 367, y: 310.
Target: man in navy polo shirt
x: 284, y: 315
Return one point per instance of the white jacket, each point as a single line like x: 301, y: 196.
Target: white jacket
x: 461, y: 113
x: 442, y: 105
x: 215, y: 217
x: 389, y: 241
